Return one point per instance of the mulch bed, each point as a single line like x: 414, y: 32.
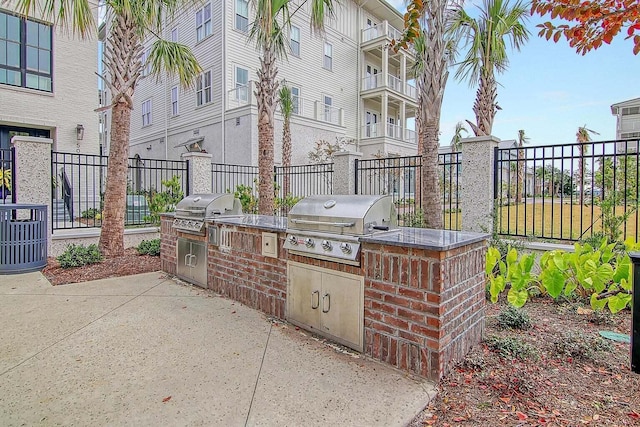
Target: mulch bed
x: 127, y: 264
x: 551, y: 388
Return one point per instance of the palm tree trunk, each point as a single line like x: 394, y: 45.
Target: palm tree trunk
x: 286, y: 155
x: 124, y: 49
x: 112, y: 234
x: 265, y: 96
x: 484, y: 105
x: 431, y: 85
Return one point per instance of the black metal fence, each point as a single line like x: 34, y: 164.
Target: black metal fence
x: 400, y: 178
x: 79, y: 182
x: 291, y: 183
x: 568, y: 192
x: 7, y: 176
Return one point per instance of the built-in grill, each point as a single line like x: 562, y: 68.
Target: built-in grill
x: 329, y: 227
x: 192, y: 211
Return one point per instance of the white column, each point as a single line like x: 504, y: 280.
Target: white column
x: 477, y: 180
x: 403, y: 119
x: 200, y: 180
x: 384, y: 113
x: 403, y: 71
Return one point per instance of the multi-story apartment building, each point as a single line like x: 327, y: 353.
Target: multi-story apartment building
x: 627, y: 122
x: 345, y: 83
x: 48, y: 86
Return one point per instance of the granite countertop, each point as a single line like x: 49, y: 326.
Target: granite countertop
x: 423, y: 238
x: 262, y: 222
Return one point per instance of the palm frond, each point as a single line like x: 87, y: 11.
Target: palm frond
x: 176, y: 59
x: 70, y: 16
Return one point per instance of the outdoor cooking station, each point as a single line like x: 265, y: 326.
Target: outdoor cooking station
x: 340, y: 267
x: 190, y: 216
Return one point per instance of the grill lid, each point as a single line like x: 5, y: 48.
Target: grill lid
x: 207, y: 205
x: 343, y: 214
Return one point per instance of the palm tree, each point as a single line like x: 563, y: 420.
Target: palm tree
x: 456, y: 140
x: 487, y: 55
x: 131, y: 22
x: 522, y: 139
x: 434, y: 52
x: 286, y: 108
x: 273, y: 20
x: 583, y: 137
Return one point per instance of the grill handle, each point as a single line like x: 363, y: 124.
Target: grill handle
x: 381, y: 227
x: 332, y: 224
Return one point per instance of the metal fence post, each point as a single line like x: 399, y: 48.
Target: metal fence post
x: 635, y: 313
x: 356, y: 175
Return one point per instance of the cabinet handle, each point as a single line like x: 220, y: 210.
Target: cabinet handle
x: 317, y: 301
x: 195, y: 258
x: 328, y: 298
x: 186, y: 260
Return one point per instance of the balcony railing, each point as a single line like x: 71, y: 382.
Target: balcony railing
x: 393, y: 131
x: 302, y: 107
x: 394, y: 83
x: 379, y: 30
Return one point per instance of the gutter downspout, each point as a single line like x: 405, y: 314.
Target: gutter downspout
x: 224, y: 82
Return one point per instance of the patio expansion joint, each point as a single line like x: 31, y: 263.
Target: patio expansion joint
x: 79, y: 329
x: 255, y: 386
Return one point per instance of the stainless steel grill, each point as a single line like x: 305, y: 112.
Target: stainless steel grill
x: 329, y: 227
x: 192, y: 211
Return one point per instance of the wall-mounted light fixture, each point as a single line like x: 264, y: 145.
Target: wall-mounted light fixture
x: 79, y: 132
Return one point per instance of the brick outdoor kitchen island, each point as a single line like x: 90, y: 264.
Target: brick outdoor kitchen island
x: 421, y: 298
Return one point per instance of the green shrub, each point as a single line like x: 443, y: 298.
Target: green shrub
x: 514, y: 318
x: 510, y: 347
x: 79, y: 255
x: 90, y: 213
x: 149, y: 247
x: 580, y: 346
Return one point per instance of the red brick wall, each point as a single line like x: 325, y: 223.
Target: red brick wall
x: 244, y: 275
x: 168, y: 239
x: 423, y: 309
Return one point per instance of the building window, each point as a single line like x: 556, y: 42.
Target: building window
x: 328, y: 56
x: 146, y: 112
x: 328, y: 109
x: 242, y: 84
x: 174, y: 35
x: 174, y: 101
x: 25, y: 53
x: 203, y: 89
x: 629, y: 111
x: 146, y: 64
x: 242, y: 15
x: 295, y: 100
x: 203, y: 22
x: 295, y: 41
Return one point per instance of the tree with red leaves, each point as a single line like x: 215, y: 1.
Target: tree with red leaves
x: 591, y: 23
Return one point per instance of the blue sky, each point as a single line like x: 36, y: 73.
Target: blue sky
x: 549, y: 90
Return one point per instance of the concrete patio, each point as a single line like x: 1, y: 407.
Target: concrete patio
x: 145, y: 350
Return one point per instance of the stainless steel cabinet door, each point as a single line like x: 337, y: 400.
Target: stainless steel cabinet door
x: 198, y: 263
x: 184, y: 250
x: 342, y: 304
x: 303, y: 295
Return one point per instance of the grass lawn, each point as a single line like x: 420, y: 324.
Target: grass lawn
x: 558, y: 220
x: 562, y: 221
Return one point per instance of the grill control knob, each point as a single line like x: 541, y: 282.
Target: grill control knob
x: 309, y: 242
x: 345, y: 247
x: 293, y: 240
x: 326, y: 245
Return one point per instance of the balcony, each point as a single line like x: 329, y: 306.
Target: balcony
x: 302, y: 107
x: 376, y: 81
x: 383, y: 31
x: 392, y: 131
